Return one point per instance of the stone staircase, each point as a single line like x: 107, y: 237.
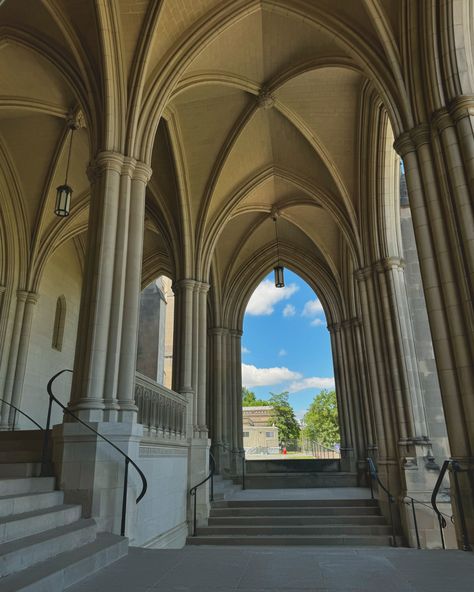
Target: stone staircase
x: 288, y: 473
x: 351, y: 522
x: 45, y: 544
x: 224, y: 488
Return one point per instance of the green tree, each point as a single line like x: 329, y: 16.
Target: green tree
x: 320, y: 421
x: 250, y: 400
x: 284, y: 417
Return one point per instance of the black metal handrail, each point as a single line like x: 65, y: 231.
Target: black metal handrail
x: 193, y: 490
x: 375, y: 476
x: 18, y: 410
x: 128, y: 460
x: 456, y: 469
x: 240, y: 453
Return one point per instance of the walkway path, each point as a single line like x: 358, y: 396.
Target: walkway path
x: 280, y: 569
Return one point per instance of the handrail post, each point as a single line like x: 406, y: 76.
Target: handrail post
x: 44, y: 462
x: 124, y: 499
x: 441, y: 532
x: 415, y: 522
x: 212, y: 486
x: 465, y: 539
x: 195, y: 512
x: 243, y: 471
x: 394, y: 538
x: 370, y: 481
x: 14, y: 419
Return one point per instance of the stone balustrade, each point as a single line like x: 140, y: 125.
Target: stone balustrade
x: 161, y: 411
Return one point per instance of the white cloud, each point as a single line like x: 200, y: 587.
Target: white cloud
x: 245, y: 350
x: 289, y: 311
x: 265, y: 297
x: 282, y: 352
x: 253, y: 376
x: 317, y: 322
x: 313, y: 382
x: 312, y: 308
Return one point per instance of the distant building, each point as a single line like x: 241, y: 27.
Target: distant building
x: 259, y: 431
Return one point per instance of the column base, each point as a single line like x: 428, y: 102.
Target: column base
x: 198, y: 470
x: 91, y: 472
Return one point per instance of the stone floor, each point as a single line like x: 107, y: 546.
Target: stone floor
x: 265, y: 569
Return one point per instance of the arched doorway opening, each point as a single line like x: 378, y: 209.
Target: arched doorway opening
x: 288, y: 388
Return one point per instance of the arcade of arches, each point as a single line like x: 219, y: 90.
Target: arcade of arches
x: 196, y: 122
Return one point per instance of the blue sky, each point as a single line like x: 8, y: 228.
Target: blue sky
x: 286, y: 345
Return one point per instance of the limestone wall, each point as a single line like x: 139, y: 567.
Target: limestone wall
x: 161, y: 516
x: 62, y: 277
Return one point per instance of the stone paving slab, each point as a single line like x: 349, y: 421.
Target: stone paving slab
x: 285, y: 569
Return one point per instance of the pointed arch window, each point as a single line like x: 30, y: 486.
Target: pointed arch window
x: 59, y: 324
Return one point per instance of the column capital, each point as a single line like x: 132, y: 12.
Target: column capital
x: 404, y: 144
x: 442, y: 119
x: 128, y: 166
x: 32, y: 298
x: 105, y: 161
x: 389, y: 263
x: 421, y: 134
x: 352, y: 322
x: 201, y: 287
x: 142, y: 172
x: 183, y: 284
x: 363, y: 273
x: 461, y: 106
x: 334, y: 327
x: 25, y: 296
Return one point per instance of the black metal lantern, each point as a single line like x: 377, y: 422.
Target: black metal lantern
x: 63, y: 200
x: 278, y: 269
x: 279, y: 279
x: 64, y: 192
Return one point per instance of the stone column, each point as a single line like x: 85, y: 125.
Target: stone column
x: 12, y: 357
x: 18, y: 355
x: 441, y: 210
x: 90, y: 471
x: 23, y: 347
x: 358, y: 428
x: 189, y: 378
x: 96, y: 300
x: 132, y: 290
x: 202, y: 360
x: 117, y: 303
x: 347, y: 451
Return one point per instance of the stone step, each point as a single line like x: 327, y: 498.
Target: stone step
x: 293, y: 529
x: 29, y: 523
x: 64, y: 570
x: 296, y: 511
x: 299, y: 503
x: 30, y: 502
x: 20, y: 456
x: 23, y: 485
x: 289, y: 465
x: 21, y: 554
x: 19, y: 469
x: 295, y: 520
x: 286, y: 540
x: 300, y: 480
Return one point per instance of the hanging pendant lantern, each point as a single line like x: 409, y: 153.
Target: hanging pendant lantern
x: 63, y: 201
x: 279, y: 279
x: 278, y: 269
x: 64, y: 192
